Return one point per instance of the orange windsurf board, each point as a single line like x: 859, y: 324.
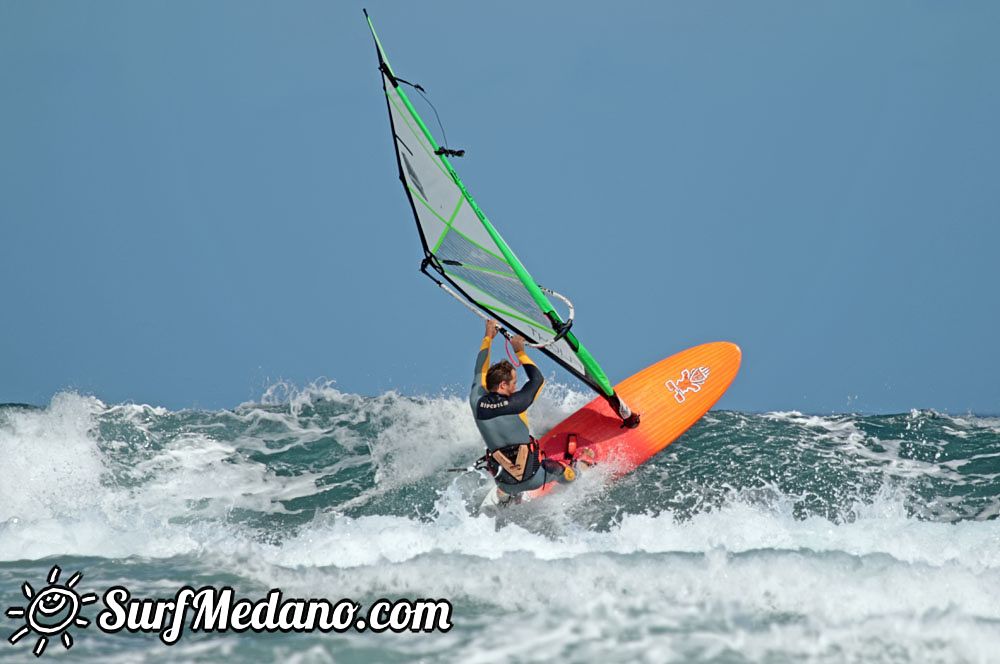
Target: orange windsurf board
x: 670, y: 397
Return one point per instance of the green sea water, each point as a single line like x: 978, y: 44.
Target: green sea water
x: 771, y: 537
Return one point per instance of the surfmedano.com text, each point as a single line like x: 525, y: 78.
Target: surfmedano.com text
x: 210, y: 609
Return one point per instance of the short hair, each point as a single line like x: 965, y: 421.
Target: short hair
x: 498, y: 373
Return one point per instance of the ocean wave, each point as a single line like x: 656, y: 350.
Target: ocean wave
x: 755, y: 537
x: 335, y: 471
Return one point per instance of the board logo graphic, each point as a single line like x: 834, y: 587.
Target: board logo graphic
x: 690, y: 381
x: 51, y: 611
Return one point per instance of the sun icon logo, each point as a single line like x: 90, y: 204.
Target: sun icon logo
x: 51, y: 611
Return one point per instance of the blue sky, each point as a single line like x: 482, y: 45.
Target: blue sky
x: 199, y: 198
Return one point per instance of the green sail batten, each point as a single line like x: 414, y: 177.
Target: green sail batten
x: 592, y: 368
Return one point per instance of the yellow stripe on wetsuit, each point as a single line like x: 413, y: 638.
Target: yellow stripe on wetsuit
x: 487, y: 342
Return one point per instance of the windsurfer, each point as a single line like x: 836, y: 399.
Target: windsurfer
x: 512, y: 454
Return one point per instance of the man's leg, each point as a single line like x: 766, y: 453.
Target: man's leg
x: 556, y: 471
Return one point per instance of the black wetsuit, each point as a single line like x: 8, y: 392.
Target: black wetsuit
x: 503, y: 423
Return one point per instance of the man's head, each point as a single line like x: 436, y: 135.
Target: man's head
x: 502, y: 378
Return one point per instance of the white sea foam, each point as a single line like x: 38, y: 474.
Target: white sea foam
x: 654, y: 590
x: 51, y: 466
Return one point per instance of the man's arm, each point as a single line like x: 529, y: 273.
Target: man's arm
x: 483, y: 359
x: 525, y: 396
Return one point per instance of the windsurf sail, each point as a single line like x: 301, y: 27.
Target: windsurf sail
x: 463, y: 252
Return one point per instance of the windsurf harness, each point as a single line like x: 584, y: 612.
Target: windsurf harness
x: 513, y: 464
x: 463, y: 252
